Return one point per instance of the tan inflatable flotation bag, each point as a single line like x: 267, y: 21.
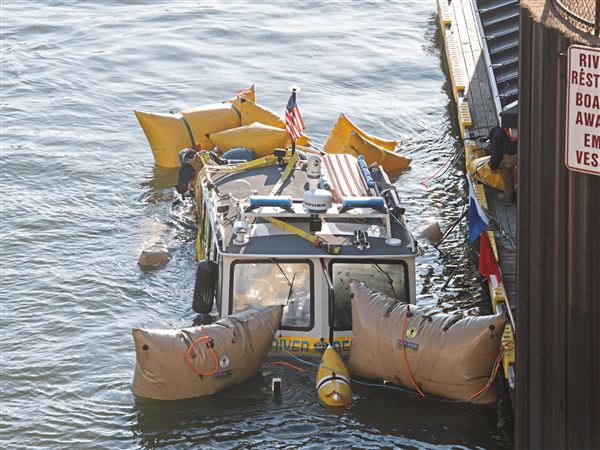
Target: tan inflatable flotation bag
x: 358, y: 145
x: 251, y: 112
x: 448, y: 356
x: 263, y: 139
x: 178, y: 364
x: 168, y: 134
x: 341, y: 130
x: 480, y: 170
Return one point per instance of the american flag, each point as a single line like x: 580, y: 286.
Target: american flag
x: 293, y: 120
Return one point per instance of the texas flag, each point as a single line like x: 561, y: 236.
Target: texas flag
x: 478, y: 220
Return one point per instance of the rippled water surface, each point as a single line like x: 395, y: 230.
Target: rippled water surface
x: 80, y: 196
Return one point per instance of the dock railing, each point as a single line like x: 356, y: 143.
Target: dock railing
x: 585, y: 14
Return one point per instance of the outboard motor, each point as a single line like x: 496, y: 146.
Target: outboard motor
x: 206, y: 285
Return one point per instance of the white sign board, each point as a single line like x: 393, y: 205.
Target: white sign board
x: 582, y: 150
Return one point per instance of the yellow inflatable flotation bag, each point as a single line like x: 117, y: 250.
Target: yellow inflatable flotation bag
x: 244, y: 94
x: 480, y: 170
x: 342, y: 129
x: 333, y: 380
x: 251, y: 113
x: 169, y: 133
x: 390, y: 161
x: 263, y: 139
x: 192, y: 362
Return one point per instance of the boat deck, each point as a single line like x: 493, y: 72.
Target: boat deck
x: 337, y: 226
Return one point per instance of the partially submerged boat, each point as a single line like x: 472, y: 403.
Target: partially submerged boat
x: 298, y: 228
x: 293, y: 229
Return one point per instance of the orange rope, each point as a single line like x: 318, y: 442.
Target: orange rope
x: 404, y: 353
x: 490, y: 380
x: 208, y: 344
x: 283, y: 363
x: 424, y: 182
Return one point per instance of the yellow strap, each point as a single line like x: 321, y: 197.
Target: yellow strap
x: 313, y: 239
x: 286, y: 173
x: 265, y: 161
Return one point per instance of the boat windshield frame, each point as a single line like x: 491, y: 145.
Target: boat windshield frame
x: 373, y: 261
x: 278, y: 262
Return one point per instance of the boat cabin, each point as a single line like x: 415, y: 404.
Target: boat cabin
x: 296, y: 228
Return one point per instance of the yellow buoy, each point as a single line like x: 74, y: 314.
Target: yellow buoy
x: 333, y: 380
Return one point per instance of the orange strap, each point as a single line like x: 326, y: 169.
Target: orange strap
x: 283, y: 363
x: 208, y: 344
x: 404, y: 353
x: 490, y: 380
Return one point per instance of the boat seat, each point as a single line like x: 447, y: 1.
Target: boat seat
x: 345, y: 176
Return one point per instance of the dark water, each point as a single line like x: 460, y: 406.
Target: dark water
x: 80, y: 196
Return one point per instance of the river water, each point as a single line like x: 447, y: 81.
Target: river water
x: 80, y: 196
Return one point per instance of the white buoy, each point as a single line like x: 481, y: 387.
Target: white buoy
x: 432, y: 233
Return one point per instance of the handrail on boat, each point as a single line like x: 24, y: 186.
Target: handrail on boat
x: 330, y: 301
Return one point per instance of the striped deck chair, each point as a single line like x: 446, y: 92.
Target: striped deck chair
x: 344, y: 176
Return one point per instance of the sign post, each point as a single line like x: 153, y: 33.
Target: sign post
x: 582, y: 147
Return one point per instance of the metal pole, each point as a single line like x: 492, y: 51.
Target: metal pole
x: 597, y: 25
x: 294, y: 140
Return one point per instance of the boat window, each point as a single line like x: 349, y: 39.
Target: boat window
x: 263, y: 283
x: 391, y: 278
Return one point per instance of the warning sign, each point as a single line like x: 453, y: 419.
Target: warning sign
x: 582, y: 150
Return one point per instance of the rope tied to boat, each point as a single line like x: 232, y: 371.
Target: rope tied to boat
x: 209, y: 344
x: 490, y: 380
x: 406, y: 310
x: 443, y: 168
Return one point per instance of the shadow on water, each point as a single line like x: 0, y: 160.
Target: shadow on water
x: 201, y: 420
x: 158, y: 186
x: 437, y: 39
x: 297, y: 418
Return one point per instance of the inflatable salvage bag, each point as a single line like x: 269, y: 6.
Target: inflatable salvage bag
x: 237, y: 122
x: 193, y: 362
x: 420, y: 348
x: 480, y: 170
x: 347, y: 137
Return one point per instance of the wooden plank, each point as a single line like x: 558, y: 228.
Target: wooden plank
x: 507, y: 216
x: 477, y: 87
x: 476, y: 112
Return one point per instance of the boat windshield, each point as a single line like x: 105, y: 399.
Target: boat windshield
x: 391, y: 278
x: 263, y: 283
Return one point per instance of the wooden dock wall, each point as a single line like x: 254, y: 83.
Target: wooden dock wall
x: 476, y: 116
x: 558, y: 260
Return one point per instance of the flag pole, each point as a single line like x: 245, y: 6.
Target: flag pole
x: 294, y: 89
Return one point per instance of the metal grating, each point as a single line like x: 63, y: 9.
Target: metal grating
x: 584, y: 13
